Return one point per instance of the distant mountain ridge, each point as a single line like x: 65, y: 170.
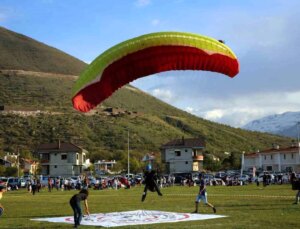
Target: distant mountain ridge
x: 285, y: 124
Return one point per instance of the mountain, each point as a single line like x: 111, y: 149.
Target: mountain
x: 35, y: 99
x: 19, y: 52
x: 285, y: 124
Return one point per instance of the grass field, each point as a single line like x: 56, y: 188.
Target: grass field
x: 246, y: 206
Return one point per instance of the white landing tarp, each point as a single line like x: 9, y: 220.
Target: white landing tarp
x: 138, y: 217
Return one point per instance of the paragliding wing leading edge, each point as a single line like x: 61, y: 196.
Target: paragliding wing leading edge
x: 147, y: 55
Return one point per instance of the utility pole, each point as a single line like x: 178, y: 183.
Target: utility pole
x: 18, y: 161
x: 128, y: 165
x: 242, y: 164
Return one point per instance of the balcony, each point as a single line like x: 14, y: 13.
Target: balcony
x: 44, y: 161
x: 198, y: 158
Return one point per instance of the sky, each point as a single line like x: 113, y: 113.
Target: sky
x: 265, y: 36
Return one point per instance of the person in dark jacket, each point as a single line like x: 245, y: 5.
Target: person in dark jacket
x: 295, y: 186
x: 150, y: 183
x: 75, y: 204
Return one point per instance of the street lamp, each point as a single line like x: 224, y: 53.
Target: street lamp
x: 298, y: 123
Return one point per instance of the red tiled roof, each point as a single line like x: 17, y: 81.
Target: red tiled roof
x: 58, y: 147
x: 189, y: 142
x: 250, y: 155
x: 28, y: 161
x: 291, y: 149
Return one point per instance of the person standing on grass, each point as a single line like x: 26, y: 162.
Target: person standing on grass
x: 296, y: 186
x: 202, y: 195
x: 2, y: 190
x: 75, y: 204
x: 49, y: 184
x: 33, y: 186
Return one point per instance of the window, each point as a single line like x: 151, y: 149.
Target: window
x: 64, y: 156
x: 177, y: 153
x: 55, y: 166
x: 269, y: 168
x: 271, y: 157
x: 284, y: 156
x: 186, y: 150
x: 186, y: 162
x: 194, y: 153
x: 292, y: 156
x: 265, y: 157
x: 77, y: 156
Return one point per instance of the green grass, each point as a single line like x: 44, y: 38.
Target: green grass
x: 246, y: 206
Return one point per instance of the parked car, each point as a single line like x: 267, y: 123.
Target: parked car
x: 181, y: 177
x: 3, y: 181
x: 244, y: 178
x: 22, y: 183
x: 12, y: 183
x: 130, y: 176
x: 92, y: 181
x: 220, y: 175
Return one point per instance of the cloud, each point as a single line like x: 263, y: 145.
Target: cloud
x: 240, y: 110
x: 142, y: 3
x: 266, y: 43
x: 155, y: 22
x: 164, y: 95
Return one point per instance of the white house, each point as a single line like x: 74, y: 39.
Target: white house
x: 29, y: 166
x: 104, y: 166
x: 275, y: 159
x: 62, y: 159
x: 183, y: 155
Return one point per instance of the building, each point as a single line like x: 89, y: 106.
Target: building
x: 275, y: 159
x: 104, y: 166
x: 183, y: 155
x: 5, y: 163
x: 62, y: 159
x: 28, y: 166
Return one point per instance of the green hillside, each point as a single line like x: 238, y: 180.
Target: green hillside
x: 19, y: 52
x: 150, y: 122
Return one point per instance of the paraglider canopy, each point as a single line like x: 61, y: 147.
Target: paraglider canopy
x: 147, y: 55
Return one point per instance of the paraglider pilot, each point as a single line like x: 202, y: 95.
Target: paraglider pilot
x: 150, y: 183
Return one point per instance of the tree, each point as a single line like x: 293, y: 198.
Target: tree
x: 233, y: 161
x: 2, y: 170
x: 11, y: 172
x: 210, y: 164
